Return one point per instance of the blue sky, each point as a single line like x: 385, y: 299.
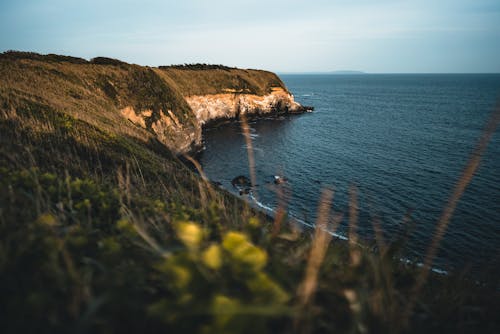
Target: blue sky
x: 386, y: 36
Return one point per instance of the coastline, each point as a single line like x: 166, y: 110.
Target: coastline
x: 270, y: 213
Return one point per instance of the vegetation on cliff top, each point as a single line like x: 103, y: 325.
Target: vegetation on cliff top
x: 103, y: 229
x: 203, y: 79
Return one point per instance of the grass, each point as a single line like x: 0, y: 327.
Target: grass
x: 104, y: 230
x: 95, y: 93
x: 216, y: 80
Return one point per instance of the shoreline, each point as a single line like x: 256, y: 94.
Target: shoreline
x: 269, y: 212
x: 211, y: 124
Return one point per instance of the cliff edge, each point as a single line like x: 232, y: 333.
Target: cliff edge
x: 169, y: 103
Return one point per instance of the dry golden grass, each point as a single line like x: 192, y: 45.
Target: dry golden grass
x: 217, y: 81
x: 318, y: 249
x: 251, y: 161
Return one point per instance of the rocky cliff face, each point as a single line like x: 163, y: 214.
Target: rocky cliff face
x: 209, y: 108
x: 212, y: 107
x: 176, y: 135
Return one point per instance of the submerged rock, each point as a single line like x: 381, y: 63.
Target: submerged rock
x: 241, y: 181
x: 244, y: 191
x: 243, y: 184
x: 303, y: 109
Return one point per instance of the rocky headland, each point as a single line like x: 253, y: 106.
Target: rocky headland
x: 169, y: 103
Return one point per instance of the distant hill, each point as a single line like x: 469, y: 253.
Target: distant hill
x: 340, y: 72
x: 347, y: 72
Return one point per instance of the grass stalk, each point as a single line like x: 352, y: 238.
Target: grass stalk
x: 444, y: 220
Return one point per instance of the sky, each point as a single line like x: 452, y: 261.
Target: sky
x: 384, y: 36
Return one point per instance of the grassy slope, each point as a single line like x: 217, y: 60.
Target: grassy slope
x: 193, y: 81
x: 103, y: 229
x: 93, y: 93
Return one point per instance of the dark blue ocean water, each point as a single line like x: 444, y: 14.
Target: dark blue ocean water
x: 403, y: 140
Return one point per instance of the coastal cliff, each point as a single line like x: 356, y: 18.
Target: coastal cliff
x: 230, y: 105
x: 169, y: 103
x: 220, y: 92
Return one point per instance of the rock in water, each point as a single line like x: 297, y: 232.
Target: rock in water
x: 279, y: 179
x: 241, y: 181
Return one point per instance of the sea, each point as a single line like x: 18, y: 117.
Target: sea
x: 399, y: 141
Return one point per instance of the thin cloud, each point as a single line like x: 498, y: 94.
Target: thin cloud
x: 292, y: 35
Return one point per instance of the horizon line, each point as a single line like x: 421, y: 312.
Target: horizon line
x: 356, y: 73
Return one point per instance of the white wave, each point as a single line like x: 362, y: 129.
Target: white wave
x: 297, y: 220
x: 420, y: 264
x: 336, y: 235
x: 261, y: 205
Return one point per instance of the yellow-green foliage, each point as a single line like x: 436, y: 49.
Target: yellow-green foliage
x: 190, y: 234
x: 206, y: 278
x: 86, y: 241
x: 244, y: 255
x: 212, y: 257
